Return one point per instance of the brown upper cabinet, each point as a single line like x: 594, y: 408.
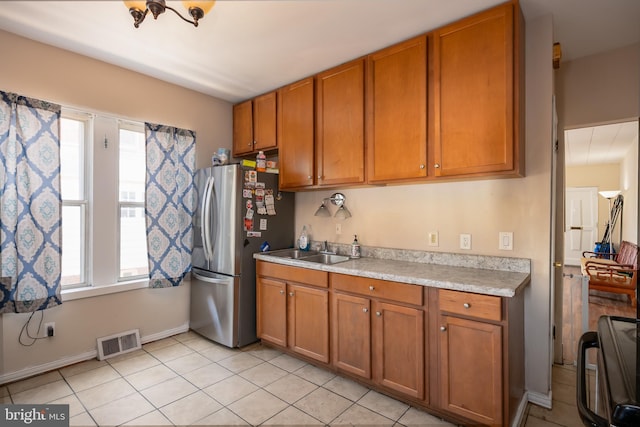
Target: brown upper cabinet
x: 340, y: 125
x: 254, y: 125
x: 397, y: 112
x: 476, y: 92
x: 296, y: 134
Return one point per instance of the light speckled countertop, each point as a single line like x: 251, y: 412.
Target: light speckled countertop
x: 498, y: 276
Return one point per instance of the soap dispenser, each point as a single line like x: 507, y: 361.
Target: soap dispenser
x: 355, y: 247
x: 303, y: 240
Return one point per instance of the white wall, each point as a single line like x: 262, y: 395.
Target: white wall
x: 40, y: 71
x: 402, y: 216
x: 629, y: 187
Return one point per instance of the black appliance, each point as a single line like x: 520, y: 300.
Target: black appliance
x: 617, y: 376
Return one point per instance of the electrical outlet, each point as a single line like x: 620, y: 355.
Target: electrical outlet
x: 338, y: 228
x: 465, y: 241
x: 433, y: 238
x: 49, y: 329
x: 505, y: 240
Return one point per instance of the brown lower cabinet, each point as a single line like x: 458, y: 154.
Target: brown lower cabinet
x: 459, y: 355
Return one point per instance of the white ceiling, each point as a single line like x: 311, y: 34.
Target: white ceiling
x: 244, y: 48
x: 600, y: 144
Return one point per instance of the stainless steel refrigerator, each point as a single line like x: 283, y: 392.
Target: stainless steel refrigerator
x: 240, y: 211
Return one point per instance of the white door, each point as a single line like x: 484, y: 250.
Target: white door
x: 581, y: 226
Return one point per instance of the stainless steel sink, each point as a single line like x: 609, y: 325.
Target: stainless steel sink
x: 292, y: 253
x: 325, y: 258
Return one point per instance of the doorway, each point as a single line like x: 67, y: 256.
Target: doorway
x: 597, y: 158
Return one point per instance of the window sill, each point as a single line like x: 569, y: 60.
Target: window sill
x: 95, y: 291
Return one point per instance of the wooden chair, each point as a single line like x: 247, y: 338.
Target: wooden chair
x: 616, y: 273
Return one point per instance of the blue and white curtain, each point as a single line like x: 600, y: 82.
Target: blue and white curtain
x: 170, y: 203
x: 30, y: 204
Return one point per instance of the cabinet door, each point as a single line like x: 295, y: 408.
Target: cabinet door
x: 351, y: 334
x: 340, y: 125
x: 264, y: 122
x: 397, y: 112
x: 474, y: 94
x: 471, y: 369
x: 272, y: 310
x: 296, y: 134
x: 242, y: 128
x: 398, y: 348
x: 308, y: 311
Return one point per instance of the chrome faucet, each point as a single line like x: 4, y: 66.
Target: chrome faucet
x: 325, y: 248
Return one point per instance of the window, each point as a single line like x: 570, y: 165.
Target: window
x: 103, y: 190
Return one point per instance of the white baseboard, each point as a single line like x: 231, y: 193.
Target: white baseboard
x: 520, y: 416
x: 540, y: 399
x: 70, y: 360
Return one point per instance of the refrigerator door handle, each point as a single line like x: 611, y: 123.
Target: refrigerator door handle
x: 206, y: 220
x: 210, y: 279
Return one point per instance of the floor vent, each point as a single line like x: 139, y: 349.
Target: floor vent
x: 121, y: 343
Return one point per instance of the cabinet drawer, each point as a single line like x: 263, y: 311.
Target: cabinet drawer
x: 483, y: 306
x: 394, y: 291
x: 293, y: 274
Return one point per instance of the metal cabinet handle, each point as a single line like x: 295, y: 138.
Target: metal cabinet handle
x: 378, y: 314
x: 365, y: 310
x: 308, y: 176
x: 437, y: 165
x: 443, y: 328
x: 466, y: 305
x: 281, y: 292
x: 421, y: 166
x: 291, y: 294
x: 371, y: 288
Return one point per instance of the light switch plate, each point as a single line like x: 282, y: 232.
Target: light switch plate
x: 338, y: 228
x: 433, y: 238
x: 465, y: 241
x: 505, y: 240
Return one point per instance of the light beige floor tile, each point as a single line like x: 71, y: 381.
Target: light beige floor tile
x: 537, y: 422
x: 240, y: 362
x: 43, y: 394
x: 218, y: 353
x: 262, y: 352
x: 223, y: 417
x: 105, y: 393
x: 417, y: 418
x: 125, y: 356
x: 287, y: 363
x: 346, y: 388
x: 33, y: 382
x: 188, y: 363
x: 323, y: 405
x: 82, y: 420
x: 231, y: 389
x: 263, y: 374
x: 384, y: 405
x: 155, y: 418
x: 75, y: 406
x: 92, y: 378
x: 561, y: 413
x: 155, y: 345
x: 121, y: 411
x: 291, y: 388
x: 171, y: 352
x: 207, y: 375
x: 6, y: 400
x: 4, y: 391
x: 257, y: 407
x: 314, y: 374
x: 358, y: 415
x: 78, y: 368
x: 191, y: 408
x: 292, y: 416
x: 150, y: 377
x: 200, y: 345
x: 187, y: 336
x: 168, y: 391
x: 135, y: 364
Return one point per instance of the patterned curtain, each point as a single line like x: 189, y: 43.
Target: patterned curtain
x: 170, y: 203
x: 30, y: 204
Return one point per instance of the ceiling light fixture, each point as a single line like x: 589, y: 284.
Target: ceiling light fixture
x: 139, y: 9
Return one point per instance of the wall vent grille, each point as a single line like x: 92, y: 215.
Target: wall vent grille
x: 121, y: 343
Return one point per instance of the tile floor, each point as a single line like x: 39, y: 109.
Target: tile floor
x: 187, y: 380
